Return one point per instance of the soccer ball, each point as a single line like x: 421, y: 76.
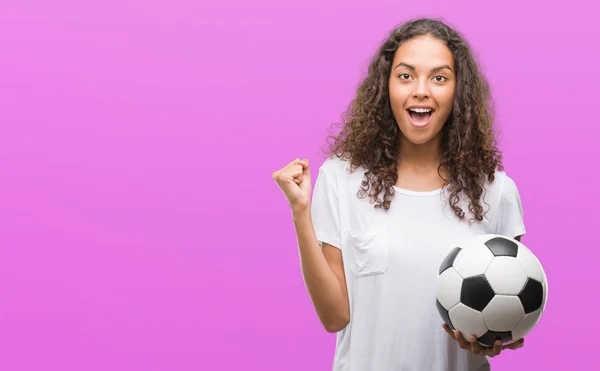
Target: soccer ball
x: 492, y: 287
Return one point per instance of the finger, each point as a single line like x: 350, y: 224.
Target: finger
x: 303, y: 162
x: 287, y: 166
x: 448, y: 330
x: 287, y: 170
x: 475, y: 347
x: 511, y: 346
x: 451, y: 333
x: 455, y: 335
x: 461, y: 340
x: 495, y: 349
x: 293, y: 172
x: 304, y: 168
x: 514, y: 345
x: 299, y: 174
x: 296, y: 163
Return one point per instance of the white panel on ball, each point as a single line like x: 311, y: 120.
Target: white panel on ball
x: 503, y: 313
x: 531, y: 264
x: 472, y: 261
x: 448, y: 288
x: 468, y: 321
x: 502, y: 283
x: 528, y: 322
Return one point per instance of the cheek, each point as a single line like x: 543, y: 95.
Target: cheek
x: 445, y: 100
x: 398, y: 96
x: 448, y: 96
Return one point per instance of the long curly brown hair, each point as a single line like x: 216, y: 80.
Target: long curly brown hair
x: 369, y: 132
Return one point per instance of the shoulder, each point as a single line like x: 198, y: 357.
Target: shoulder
x: 502, y: 186
x: 501, y: 194
x: 507, y: 187
x: 337, y: 174
x: 509, y: 214
x: 334, y: 165
x: 334, y: 168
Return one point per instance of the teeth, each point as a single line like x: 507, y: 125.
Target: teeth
x: 420, y: 110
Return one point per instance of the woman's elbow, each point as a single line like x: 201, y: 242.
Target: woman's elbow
x: 336, y: 326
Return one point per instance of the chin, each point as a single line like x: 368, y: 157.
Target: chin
x: 419, y: 140
x: 419, y: 136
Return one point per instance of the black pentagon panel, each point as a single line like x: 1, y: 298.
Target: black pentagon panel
x: 449, y: 260
x: 532, y: 295
x: 500, y: 246
x: 476, y: 292
x: 444, y: 314
x: 490, y: 337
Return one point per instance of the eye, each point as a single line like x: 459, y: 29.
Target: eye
x: 404, y: 76
x: 440, y: 78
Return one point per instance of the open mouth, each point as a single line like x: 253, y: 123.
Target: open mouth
x: 420, y: 116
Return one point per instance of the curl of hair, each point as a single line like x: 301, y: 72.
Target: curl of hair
x: 369, y: 133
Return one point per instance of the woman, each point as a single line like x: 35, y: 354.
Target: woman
x: 414, y: 171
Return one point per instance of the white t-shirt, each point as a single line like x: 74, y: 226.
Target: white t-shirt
x: 391, y: 261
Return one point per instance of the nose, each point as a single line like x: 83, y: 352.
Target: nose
x: 421, y: 90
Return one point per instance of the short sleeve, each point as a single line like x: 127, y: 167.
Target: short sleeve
x: 511, y: 218
x: 325, y: 209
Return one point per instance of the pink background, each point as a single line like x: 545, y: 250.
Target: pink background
x: 139, y: 225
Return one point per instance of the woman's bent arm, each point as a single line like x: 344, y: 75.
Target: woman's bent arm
x: 323, y: 273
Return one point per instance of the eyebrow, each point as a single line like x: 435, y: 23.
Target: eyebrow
x: 413, y: 67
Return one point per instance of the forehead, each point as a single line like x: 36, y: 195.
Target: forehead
x: 425, y: 52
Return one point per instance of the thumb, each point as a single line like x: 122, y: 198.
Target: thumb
x: 306, y: 178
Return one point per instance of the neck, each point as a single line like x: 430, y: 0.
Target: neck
x: 425, y: 155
